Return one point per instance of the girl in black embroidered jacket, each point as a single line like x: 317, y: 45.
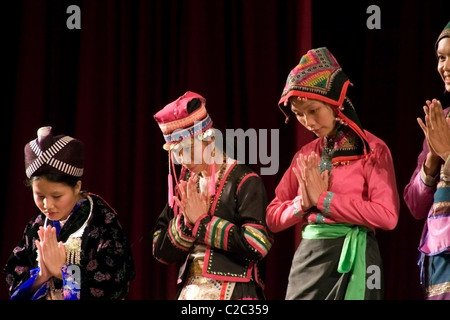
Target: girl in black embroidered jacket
x: 75, y: 247
x: 215, y: 225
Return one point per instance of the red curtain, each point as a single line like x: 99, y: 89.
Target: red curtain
x: 103, y: 83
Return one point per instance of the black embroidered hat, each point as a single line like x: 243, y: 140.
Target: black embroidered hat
x: 53, y: 154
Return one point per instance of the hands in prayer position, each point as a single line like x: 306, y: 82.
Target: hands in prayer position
x: 192, y: 202
x: 52, y: 254
x: 311, y: 181
x: 437, y: 134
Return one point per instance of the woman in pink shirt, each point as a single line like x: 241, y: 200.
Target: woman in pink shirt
x: 339, y: 187
x: 427, y: 194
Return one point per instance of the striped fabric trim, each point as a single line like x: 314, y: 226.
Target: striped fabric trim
x: 194, y: 130
x: 297, y: 206
x: 217, y: 233
x: 47, y: 157
x: 327, y: 203
x: 222, y: 183
x: 257, y: 237
x: 244, y: 179
x: 178, y: 238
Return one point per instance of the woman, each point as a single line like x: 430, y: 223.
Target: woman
x: 427, y: 194
x: 214, y: 226
x: 74, y: 248
x: 339, y: 188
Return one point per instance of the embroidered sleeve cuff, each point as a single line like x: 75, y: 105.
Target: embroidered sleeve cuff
x: 298, y: 211
x: 179, y: 234
x: 428, y: 180
x: 297, y: 206
x: 324, y: 204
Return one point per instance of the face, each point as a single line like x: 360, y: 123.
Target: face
x: 315, y: 115
x: 56, y: 200
x: 443, y: 54
x: 195, y: 155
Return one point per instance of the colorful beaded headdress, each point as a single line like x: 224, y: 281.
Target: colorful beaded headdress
x: 53, y: 154
x: 319, y: 76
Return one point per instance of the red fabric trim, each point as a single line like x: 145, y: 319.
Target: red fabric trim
x: 197, y: 224
x: 220, y: 277
x: 224, y: 179
x: 317, y: 96
x: 244, y: 179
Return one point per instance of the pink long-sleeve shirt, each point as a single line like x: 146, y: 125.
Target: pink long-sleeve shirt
x: 419, y: 195
x: 363, y: 192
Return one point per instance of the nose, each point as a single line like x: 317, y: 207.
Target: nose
x: 308, y: 122
x: 47, y: 203
x: 447, y: 65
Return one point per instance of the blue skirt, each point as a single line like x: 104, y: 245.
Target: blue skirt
x: 437, y: 285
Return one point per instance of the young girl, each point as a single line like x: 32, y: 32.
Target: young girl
x: 74, y: 248
x: 339, y: 188
x: 427, y: 194
x: 214, y: 227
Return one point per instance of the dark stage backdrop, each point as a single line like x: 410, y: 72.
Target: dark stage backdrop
x: 103, y: 83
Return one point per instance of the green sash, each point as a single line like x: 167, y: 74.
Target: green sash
x: 353, y: 254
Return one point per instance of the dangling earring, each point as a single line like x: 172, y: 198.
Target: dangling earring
x: 341, y: 121
x: 212, y: 184
x: 170, y: 182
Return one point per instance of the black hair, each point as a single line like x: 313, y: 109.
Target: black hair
x: 55, y: 177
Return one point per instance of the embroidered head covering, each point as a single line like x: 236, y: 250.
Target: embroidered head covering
x: 182, y: 120
x: 186, y: 117
x: 444, y: 34
x: 53, y: 154
x: 319, y: 76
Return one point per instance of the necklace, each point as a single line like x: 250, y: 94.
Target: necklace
x: 325, y: 159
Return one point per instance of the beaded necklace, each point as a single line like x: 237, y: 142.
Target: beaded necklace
x: 325, y: 159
